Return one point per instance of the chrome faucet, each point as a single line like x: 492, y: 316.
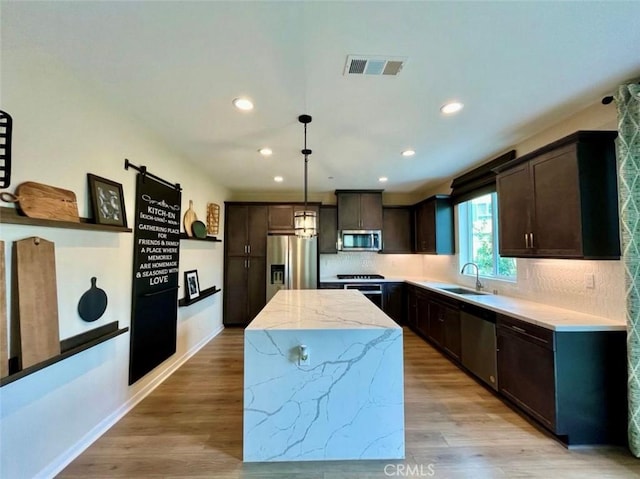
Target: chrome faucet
x: 479, y: 285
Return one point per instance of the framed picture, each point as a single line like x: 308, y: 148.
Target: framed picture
x: 107, y: 201
x: 192, y: 284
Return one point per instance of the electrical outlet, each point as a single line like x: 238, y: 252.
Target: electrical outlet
x: 589, y: 281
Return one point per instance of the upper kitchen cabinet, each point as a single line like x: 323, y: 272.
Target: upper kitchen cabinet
x: 434, y: 233
x: 245, y: 229
x: 397, y: 229
x: 561, y: 201
x: 359, y: 209
x: 280, y: 218
x: 328, y: 230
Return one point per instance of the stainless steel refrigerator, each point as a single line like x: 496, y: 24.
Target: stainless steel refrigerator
x: 292, y: 263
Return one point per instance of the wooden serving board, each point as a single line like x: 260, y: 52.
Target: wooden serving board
x: 188, y: 219
x: 37, y: 200
x: 4, y: 344
x: 37, y: 300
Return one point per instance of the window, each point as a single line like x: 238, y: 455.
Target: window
x: 478, y: 227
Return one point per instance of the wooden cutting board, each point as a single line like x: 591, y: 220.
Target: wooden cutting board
x: 37, y: 200
x: 188, y: 219
x: 4, y: 344
x: 37, y: 300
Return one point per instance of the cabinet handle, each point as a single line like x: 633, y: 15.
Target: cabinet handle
x: 245, y: 249
x: 531, y: 239
x: 520, y: 330
x: 526, y: 240
x: 249, y: 249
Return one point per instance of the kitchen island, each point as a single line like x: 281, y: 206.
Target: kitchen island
x: 323, y: 380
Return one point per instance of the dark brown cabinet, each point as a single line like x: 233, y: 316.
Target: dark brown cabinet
x: 281, y: 217
x: 444, y: 325
x: 572, y: 382
x: 434, y: 232
x: 244, y: 294
x: 397, y: 229
x: 328, y: 230
x: 561, y: 201
x: 394, y: 301
x: 359, y: 210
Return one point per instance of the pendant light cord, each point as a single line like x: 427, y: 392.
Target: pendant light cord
x: 306, y: 163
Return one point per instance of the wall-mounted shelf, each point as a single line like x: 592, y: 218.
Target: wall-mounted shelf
x: 69, y: 347
x: 11, y: 216
x: 214, y: 239
x: 205, y: 293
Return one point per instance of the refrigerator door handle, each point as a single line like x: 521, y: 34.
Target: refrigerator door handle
x: 287, y: 279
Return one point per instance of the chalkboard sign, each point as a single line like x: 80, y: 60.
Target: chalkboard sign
x: 155, y: 276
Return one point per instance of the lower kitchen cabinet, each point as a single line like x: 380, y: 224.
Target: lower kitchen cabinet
x: 444, y: 326
x: 574, y: 383
x: 245, y: 289
x: 394, y: 301
x: 412, y: 307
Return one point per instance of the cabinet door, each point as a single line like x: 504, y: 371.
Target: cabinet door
x: 436, y: 323
x: 557, y: 227
x: 452, y: 331
x: 236, y: 227
x: 257, y: 230
x: 256, y: 285
x: 514, y: 198
x: 328, y: 229
x: 396, y: 230
x: 280, y: 217
x: 349, y: 211
x: 394, y: 301
x: 411, y: 306
x: 425, y: 228
x: 235, y: 291
x: 526, y: 375
x: 371, y: 211
x: 423, y: 311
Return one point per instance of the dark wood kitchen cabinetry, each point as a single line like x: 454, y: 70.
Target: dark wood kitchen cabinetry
x: 560, y: 201
x: 573, y: 383
x: 444, y: 324
x: 280, y: 217
x: 394, y: 301
x: 359, y: 209
x: 328, y: 230
x: 434, y: 232
x: 244, y: 294
x: 397, y: 231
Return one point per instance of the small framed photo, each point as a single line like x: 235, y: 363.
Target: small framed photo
x: 107, y: 201
x: 192, y: 284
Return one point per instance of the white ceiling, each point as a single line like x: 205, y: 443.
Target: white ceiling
x: 176, y: 66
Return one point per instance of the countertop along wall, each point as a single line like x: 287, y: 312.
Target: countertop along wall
x: 63, y: 129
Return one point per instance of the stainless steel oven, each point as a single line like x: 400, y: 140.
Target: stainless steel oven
x: 372, y: 291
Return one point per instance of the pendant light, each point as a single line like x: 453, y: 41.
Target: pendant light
x: 305, y: 221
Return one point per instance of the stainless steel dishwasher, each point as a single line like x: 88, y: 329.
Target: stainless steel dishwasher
x: 478, y: 343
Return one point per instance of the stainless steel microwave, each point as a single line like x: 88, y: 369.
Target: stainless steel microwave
x: 359, y: 240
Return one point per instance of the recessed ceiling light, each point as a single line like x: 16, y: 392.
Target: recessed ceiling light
x: 383, y: 179
x: 265, y: 151
x: 408, y: 153
x: 278, y: 179
x: 243, y: 104
x: 451, y: 108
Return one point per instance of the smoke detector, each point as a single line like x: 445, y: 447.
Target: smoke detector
x: 373, y: 65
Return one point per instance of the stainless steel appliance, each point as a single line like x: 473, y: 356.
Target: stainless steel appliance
x: 359, y: 240
x: 292, y: 263
x: 373, y: 291
x: 478, y: 343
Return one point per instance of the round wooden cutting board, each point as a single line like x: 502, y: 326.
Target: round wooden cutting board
x: 188, y: 219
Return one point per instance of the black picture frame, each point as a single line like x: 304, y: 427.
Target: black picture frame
x: 191, y: 284
x: 107, y: 201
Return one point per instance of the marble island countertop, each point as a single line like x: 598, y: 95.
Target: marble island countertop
x: 321, y: 309
x: 550, y: 317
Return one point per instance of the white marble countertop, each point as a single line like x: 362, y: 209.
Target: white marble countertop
x: 550, y: 317
x: 321, y: 309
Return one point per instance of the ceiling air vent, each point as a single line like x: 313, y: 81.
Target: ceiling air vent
x: 373, y: 65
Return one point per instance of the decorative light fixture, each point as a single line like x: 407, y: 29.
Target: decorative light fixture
x: 383, y: 179
x: 305, y: 221
x: 243, y: 104
x: 407, y: 153
x: 265, y: 151
x: 278, y: 179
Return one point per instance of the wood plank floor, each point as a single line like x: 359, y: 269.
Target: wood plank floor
x: 191, y: 427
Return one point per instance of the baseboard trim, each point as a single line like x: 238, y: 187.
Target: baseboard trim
x: 64, y: 459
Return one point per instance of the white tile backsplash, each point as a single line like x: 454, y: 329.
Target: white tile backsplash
x: 560, y: 283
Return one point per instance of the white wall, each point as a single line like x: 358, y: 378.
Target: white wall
x: 63, y: 129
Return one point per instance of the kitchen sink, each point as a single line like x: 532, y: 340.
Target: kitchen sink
x: 459, y: 290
